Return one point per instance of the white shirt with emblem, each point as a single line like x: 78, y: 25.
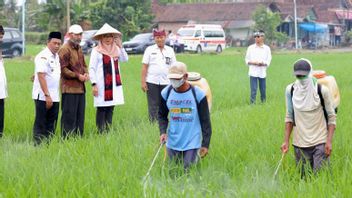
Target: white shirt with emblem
x: 159, y: 62
x: 3, y: 82
x: 260, y: 54
x: 48, y: 63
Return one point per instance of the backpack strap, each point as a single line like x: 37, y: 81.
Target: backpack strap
x: 293, y: 110
x: 168, y: 92
x: 322, y: 102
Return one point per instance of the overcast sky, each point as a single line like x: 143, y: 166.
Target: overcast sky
x: 19, y: 2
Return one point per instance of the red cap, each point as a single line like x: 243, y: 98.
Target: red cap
x: 159, y: 33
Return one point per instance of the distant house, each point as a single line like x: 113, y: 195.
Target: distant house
x: 316, y: 18
x: 235, y: 18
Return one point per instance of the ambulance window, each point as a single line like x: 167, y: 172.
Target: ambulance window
x: 197, y: 34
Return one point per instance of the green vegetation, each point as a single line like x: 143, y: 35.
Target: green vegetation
x: 268, y: 22
x: 244, y: 150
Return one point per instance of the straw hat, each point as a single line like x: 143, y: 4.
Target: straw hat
x: 106, y: 29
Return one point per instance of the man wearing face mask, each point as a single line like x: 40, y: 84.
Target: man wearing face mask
x: 313, y: 131
x: 157, y: 59
x: 188, y: 129
x: 74, y: 74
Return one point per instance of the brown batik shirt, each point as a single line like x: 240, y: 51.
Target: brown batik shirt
x: 72, y: 64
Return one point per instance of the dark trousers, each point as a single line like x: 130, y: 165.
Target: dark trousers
x: 104, y: 118
x: 312, y: 158
x: 254, y: 85
x: 154, y: 99
x: 45, y: 121
x: 2, y: 115
x: 72, y: 118
x: 187, y: 157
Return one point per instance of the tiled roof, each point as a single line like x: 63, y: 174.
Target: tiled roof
x: 206, y: 12
x: 201, y: 12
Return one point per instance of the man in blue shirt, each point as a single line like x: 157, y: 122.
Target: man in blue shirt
x: 184, y: 120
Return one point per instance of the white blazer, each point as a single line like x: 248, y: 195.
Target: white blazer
x: 96, y: 74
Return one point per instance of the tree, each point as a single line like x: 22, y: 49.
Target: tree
x: 9, y: 9
x: 130, y: 17
x: 268, y: 22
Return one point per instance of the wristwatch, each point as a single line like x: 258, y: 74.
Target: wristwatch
x: 47, y: 95
x: 93, y: 84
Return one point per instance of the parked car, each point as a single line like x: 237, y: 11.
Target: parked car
x: 87, y: 42
x: 12, y: 43
x: 138, y: 43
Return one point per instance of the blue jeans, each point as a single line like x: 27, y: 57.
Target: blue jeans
x: 254, y: 86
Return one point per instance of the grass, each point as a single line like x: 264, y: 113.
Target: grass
x: 244, y: 149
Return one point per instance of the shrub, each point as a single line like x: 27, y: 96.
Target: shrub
x: 36, y: 37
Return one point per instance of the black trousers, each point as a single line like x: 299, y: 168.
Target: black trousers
x: 72, y: 117
x: 45, y: 121
x: 154, y: 99
x: 2, y: 115
x: 104, y: 118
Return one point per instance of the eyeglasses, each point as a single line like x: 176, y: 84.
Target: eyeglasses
x: 257, y: 36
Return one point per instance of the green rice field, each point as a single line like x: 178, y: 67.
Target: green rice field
x: 244, y: 149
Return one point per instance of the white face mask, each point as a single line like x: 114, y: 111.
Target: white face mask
x: 176, y: 83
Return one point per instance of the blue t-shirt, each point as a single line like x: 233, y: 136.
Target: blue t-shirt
x: 184, y: 131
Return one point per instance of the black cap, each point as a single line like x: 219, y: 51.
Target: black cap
x: 302, y: 67
x: 2, y: 31
x: 56, y: 35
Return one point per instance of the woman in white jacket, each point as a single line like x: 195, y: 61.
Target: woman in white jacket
x: 3, y: 84
x: 104, y: 72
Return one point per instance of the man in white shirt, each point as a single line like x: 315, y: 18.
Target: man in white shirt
x: 46, y: 88
x: 3, y: 84
x: 156, y: 62
x: 258, y: 58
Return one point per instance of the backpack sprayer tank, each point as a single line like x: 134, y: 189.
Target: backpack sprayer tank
x: 195, y: 79
x: 329, y: 82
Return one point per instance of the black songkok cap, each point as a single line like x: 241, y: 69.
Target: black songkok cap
x: 2, y: 31
x: 56, y: 35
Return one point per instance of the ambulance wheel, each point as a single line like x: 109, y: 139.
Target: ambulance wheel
x: 199, y: 49
x: 219, y: 49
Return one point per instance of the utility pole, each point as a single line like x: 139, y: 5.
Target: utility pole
x: 68, y: 14
x: 295, y: 13
x: 23, y: 27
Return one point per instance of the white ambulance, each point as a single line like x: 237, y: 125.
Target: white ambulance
x: 202, y: 38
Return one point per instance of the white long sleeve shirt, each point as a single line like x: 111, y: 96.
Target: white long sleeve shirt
x: 258, y: 54
x: 311, y: 128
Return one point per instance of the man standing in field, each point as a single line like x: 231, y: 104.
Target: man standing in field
x: 306, y: 104
x: 3, y: 84
x: 188, y: 129
x: 156, y: 61
x: 74, y: 74
x: 46, y: 88
x: 258, y: 58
